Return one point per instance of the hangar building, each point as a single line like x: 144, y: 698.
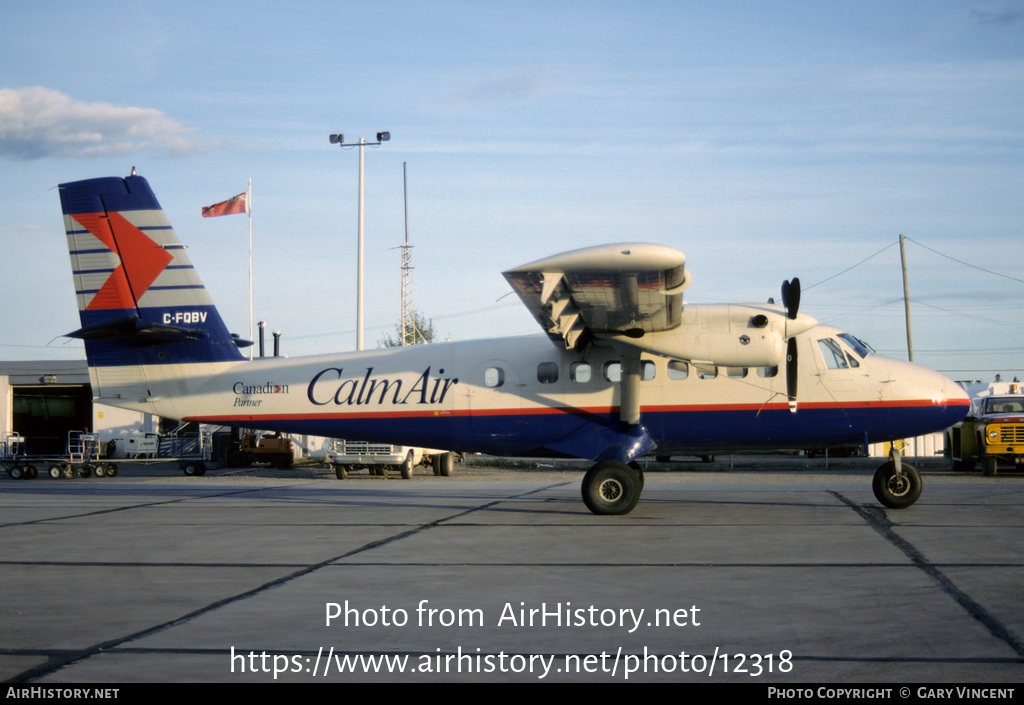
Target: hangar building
x: 44, y: 400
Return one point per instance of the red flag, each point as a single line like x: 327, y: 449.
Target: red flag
x: 235, y: 204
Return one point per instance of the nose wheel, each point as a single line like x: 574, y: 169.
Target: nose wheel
x: 611, y: 487
x: 896, y: 485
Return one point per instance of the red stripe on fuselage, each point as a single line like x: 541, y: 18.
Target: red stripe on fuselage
x: 540, y: 411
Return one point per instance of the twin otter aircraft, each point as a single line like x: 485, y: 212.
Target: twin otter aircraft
x: 626, y: 367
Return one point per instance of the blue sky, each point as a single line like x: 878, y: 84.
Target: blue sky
x: 764, y: 139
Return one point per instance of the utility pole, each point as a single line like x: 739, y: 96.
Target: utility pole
x: 906, y: 298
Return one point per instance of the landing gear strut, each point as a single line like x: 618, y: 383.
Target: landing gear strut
x: 896, y: 484
x: 611, y: 487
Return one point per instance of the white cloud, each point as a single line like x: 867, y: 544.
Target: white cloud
x: 38, y: 122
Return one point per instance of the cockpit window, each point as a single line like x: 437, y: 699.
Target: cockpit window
x: 858, y: 345
x: 833, y: 354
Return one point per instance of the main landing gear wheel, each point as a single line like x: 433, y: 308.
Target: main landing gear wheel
x: 611, y: 487
x: 896, y: 492
x: 639, y: 473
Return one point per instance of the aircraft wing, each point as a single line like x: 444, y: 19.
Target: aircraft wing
x: 624, y: 289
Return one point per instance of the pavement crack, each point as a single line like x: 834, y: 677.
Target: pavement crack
x: 878, y: 520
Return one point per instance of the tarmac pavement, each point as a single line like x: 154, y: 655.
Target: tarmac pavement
x: 750, y: 569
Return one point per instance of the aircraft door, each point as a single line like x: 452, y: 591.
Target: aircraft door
x: 842, y: 377
x: 839, y: 371
x: 494, y: 400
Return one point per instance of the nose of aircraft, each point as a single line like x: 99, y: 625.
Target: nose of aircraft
x: 949, y: 401
x: 952, y: 397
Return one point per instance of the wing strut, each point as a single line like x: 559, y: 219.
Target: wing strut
x: 629, y: 389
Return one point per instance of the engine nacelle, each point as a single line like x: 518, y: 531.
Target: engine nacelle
x: 725, y: 335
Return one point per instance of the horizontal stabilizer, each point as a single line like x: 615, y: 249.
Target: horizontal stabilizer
x: 132, y: 330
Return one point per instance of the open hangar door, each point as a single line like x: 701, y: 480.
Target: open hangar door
x: 43, y: 415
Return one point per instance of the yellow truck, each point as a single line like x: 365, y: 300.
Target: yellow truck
x: 992, y: 433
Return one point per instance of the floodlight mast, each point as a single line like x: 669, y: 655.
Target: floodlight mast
x: 339, y: 139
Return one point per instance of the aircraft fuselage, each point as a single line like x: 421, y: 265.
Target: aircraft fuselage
x: 524, y: 396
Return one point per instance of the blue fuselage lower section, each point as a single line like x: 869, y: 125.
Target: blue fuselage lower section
x: 577, y: 433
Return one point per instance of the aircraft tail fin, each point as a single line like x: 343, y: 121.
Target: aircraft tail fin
x: 140, y: 300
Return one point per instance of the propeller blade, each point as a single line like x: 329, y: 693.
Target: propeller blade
x: 791, y: 372
x: 791, y: 297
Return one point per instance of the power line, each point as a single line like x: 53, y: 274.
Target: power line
x: 849, y: 268
x: 966, y: 264
x: 1008, y: 324
x: 930, y: 249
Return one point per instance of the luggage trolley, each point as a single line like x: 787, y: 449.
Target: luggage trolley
x: 83, y: 450
x: 13, y: 458
x: 81, y: 457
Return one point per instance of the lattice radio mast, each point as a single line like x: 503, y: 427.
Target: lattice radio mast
x: 409, y: 332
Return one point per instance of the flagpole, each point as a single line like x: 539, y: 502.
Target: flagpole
x: 231, y: 207
x: 248, y: 210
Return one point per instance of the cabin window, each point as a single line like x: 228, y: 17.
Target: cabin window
x: 647, y: 370
x: 547, y: 372
x: 736, y: 372
x: 494, y: 377
x: 579, y: 372
x: 706, y: 371
x: 613, y: 371
x: 677, y: 369
x: 768, y: 372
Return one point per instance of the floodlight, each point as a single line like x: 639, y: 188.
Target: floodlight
x: 383, y: 136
